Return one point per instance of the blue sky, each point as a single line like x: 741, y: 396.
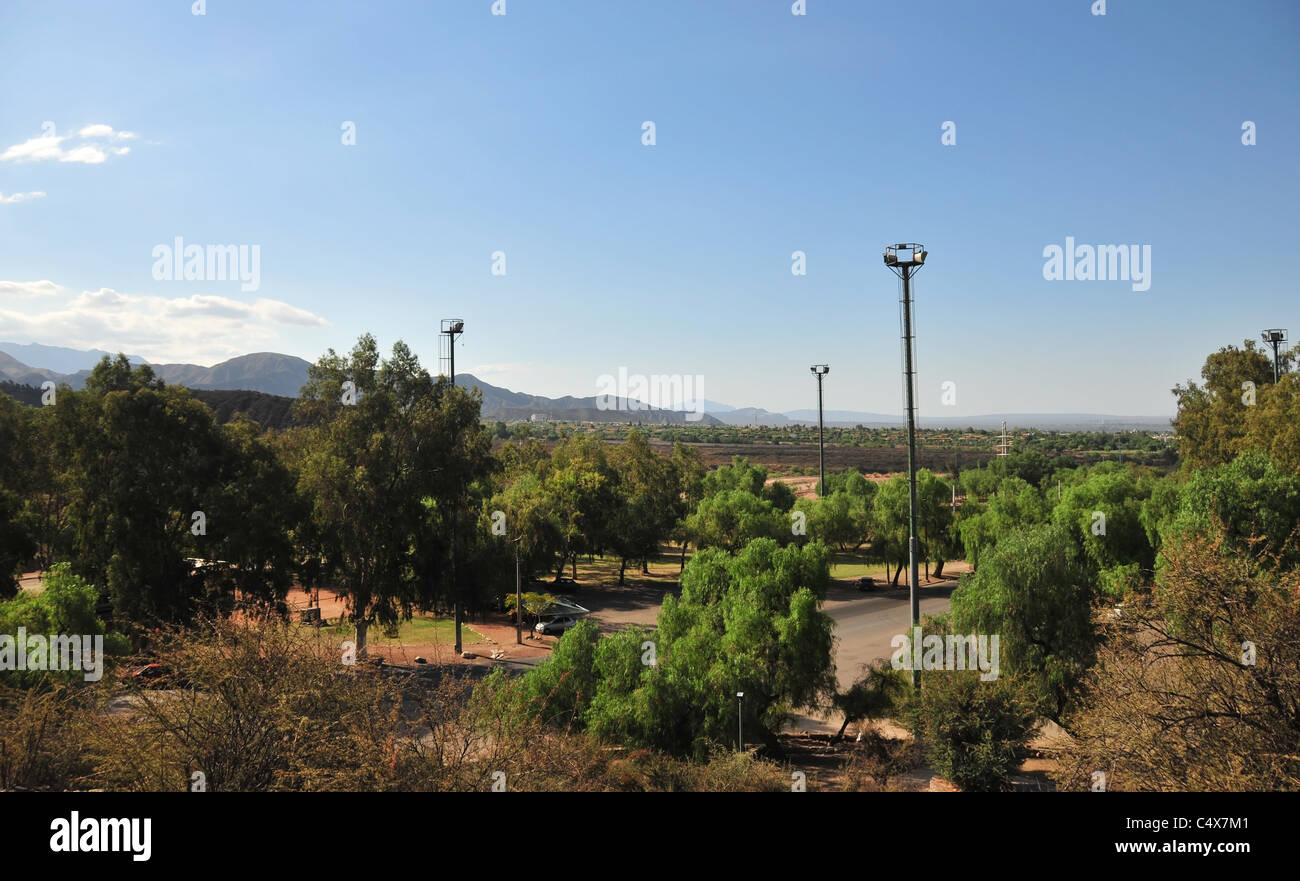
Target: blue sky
x: 522, y: 133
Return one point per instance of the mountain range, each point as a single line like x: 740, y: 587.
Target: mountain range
x: 284, y: 375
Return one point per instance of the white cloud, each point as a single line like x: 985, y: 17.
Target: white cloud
x: 195, y: 329
x: 34, y: 150
x: 89, y: 154
x: 52, y: 147
x: 20, y: 197
x: 29, y: 289
x: 100, y: 130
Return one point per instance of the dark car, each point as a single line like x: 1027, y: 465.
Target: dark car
x: 866, y: 582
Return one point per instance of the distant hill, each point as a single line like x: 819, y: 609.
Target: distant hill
x: 507, y: 406
x: 268, y: 411
x: 283, y: 376
x: 752, y: 416
x: 60, y: 359
x: 267, y: 372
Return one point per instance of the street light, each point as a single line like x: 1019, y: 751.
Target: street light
x: 519, y: 598
x: 1275, y: 337
x: 904, y: 259
x: 740, y: 719
x: 821, y: 370
x: 450, y: 328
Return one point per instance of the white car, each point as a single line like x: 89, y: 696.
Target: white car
x: 556, y: 624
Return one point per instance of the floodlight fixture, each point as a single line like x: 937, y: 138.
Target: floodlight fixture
x: 1275, y: 337
x: 905, y: 254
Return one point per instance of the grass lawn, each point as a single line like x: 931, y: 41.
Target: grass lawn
x: 603, y: 571
x: 845, y: 566
x: 417, y: 631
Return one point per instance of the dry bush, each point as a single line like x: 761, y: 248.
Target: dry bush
x: 41, y: 738
x: 1171, y: 705
x: 876, y: 759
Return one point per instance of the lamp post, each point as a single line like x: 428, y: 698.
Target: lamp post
x: 450, y: 328
x: 519, y: 597
x: 1275, y: 337
x: 821, y: 370
x: 904, y: 260
x: 740, y: 720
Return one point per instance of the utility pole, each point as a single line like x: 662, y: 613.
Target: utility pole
x: 821, y: 370
x: 1003, y: 448
x: 519, y: 597
x: 740, y: 720
x: 905, y: 265
x: 450, y: 328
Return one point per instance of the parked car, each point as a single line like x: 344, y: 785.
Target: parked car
x: 555, y: 625
x: 866, y: 582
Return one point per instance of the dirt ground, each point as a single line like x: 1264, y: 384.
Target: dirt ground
x: 868, y: 460
x: 806, y: 487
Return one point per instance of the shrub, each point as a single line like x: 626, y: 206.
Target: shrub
x: 973, y: 733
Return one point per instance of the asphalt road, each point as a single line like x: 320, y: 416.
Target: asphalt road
x: 866, y: 622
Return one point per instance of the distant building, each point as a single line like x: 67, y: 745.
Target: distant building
x: 539, y: 417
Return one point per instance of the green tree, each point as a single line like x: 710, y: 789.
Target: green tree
x: 156, y: 486
x: 974, y: 733
x: 647, y: 505
x: 1211, y: 421
x: 1273, y: 424
x: 739, y: 475
x: 1118, y: 537
x: 750, y: 622
x: 1035, y: 591
x: 388, y: 468
x: 16, y: 543
x: 1250, y: 502
x: 1014, y: 504
x: 731, y: 519
x: 584, y: 488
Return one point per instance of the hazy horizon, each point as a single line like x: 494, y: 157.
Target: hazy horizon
x: 482, y: 142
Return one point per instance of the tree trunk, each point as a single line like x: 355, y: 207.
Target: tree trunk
x: 362, y: 627
x: 840, y: 735
x: 938, y: 569
x: 645, y: 567
x: 574, y: 560
x: 682, y: 568
x: 927, y: 570
x: 898, y: 572
x: 622, y: 567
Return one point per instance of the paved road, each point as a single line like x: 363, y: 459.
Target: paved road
x: 866, y: 622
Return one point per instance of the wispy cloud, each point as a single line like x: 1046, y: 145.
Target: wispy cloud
x: 197, y: 329
x: 51, y: 146
x: 100, y: 130
x: 20, y: 197
x: 28, y: 289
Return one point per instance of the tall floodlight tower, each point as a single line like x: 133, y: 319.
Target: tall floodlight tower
x: 905, y: 259
x: 821, y: 370
x: 1275, y: 337
x: 451, y: 328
